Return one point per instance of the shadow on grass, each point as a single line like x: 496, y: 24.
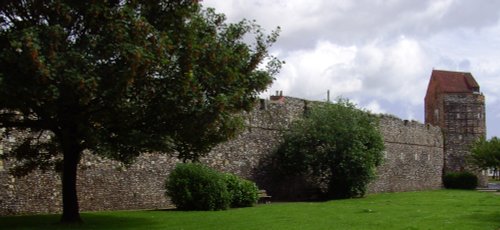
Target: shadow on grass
x: 490, y: 218
x: 163, y: 210
x: 91, y: 221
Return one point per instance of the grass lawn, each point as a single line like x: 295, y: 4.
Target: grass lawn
x: 443, y: 209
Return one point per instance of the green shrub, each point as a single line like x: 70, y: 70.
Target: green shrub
x: 244, y: 193
x: 337, y: 147
x: 196, y: 187
x: 460, y: 180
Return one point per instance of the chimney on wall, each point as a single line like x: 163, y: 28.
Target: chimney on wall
x: 278, y: 98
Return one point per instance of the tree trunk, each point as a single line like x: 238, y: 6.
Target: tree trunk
x: 71, y: 212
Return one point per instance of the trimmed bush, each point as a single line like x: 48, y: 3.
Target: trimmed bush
x: 244, y: 193
x: 460, y: 180
x: 194, y: 186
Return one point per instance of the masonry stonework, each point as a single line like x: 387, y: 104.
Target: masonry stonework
x: 413, y: 161
x: 102, y: 185
x: 464, y: 124
x: 413, y: 157
x: 455, y: 104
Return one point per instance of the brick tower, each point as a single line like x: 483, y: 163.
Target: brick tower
x: 454, y: 103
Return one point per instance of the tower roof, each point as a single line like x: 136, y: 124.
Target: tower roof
x: 452, y: 82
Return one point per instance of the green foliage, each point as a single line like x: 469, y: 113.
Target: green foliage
x: 460, y: 180
x: 120, y: 78
x: 128, y: 76
x: 337, y: 146
x: 244, y: 193
x: 486, y: 154
x: 194, y: 186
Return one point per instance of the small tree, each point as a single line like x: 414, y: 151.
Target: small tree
x: 486, y: 155
x: 336, y: 145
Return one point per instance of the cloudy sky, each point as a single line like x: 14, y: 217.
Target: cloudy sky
x: 379, y: 53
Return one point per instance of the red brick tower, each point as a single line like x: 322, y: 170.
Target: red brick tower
x: 454, y: 103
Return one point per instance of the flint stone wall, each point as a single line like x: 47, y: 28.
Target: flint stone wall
x: 102, y: 185
x: 413, y: 161
x: 413, y: 158
x: 464, y: 124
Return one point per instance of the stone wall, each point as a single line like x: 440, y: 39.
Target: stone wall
x: 413, y: 157
x: 101, y: 184
x: 413, y: 161
x: 464, y: 123
x: 263, y: 132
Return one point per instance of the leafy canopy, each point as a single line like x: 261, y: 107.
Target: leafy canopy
x: 127, y: 76
x: 122, y: 77
x: 337, y: 146
x: 486, y: 154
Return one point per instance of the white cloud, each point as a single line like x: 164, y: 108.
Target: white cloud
x: 391, y: 72
x: 374, y: 107
x: 379, y: 52
x: 349, y: 21
x: 394, y: 72
x: 310, y: 73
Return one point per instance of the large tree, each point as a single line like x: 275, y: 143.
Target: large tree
x: 122, y: 77
x: 337, y: 147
